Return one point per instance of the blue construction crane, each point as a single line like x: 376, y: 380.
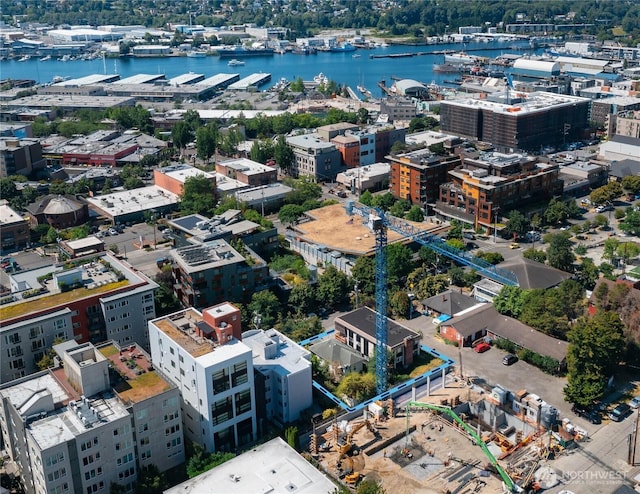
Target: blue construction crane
x: 378, y: 222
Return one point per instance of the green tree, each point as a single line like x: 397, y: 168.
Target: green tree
x: 283, y: 154
x: 291, y: 436
x: 490, y: 257
x: 587, y: 273
x: 267, y: 306
x: 289, y: 213
x: 207, y: 141
x: 600, y: 220
x: 198, y: 195
x: 366, y: 198
x: 302, y: 298
x: 631, y: 223
x: 556, y: 212
x: 415, y: 214
x: 356, y: 386
x: 559, y: 252
x: 364, y: 274
x: 399, y: 304
x: 399, y: 208
x: 596, y: 346
x: 535, y: 255
x: 151, y: 481
x: 606, y: 193
x: 399, y: 263
x: 333, y: 287
x: 181, y: 135
x: 631, y: 183
x: 200, y: 461
x: 517, y: 225
x: 509, y: 301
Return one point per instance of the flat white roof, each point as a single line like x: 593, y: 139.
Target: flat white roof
x: 133, y: 201
x: 84, y: 242
x: 273, y: 467
x: 8, y: 215
x: 247, y: 166
x: 140, y: 79
x: 220, y: 310
x: 291, y: 356
x: 182, y: 173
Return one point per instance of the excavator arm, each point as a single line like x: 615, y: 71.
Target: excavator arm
x: 446, y: 410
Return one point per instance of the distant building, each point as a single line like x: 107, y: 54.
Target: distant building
x: 82, y: 246
x: 314, y: 157
x: 98, y: 300
x: 58, y: 211
x: 402, y: 109
x: 520, y: 121
x: 131, y: 205
x: 283, y: 375
x: 172, y: 178
x: 20, y: 156
x: 496, y: 183
x: 14, y: 229
x: 626, y: 123
x: 210, y: 273
x: 83, y: 427
x: 416, y: 176
x: 371, y: 177
x: 328, y: 132
x: 357, y: 329
x: 201, y: 353
x: 248, y: 171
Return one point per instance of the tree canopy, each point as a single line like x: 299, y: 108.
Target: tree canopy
x: 198, y: 195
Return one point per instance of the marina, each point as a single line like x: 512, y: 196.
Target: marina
x: 342, y: 68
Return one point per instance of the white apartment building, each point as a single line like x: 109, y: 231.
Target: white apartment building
x: 201, y: 353
x: 68, y: 429
x: 283, y: 375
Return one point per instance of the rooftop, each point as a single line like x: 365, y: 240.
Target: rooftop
x: 8, y: 216
x: 181, y: 172
x: 184, y: 328
x: 538, y: 101
x: 201, y: 257
x: 273, y: 467
x: 364, y: 319
x: 287, y: 353
x: 140, y: 381
x: 93, y: 276
x: 133, y: 201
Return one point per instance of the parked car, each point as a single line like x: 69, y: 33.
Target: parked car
x: 620, y: 412
x: 590, y: 414
x: 468, y: 235
x: 509, y: 359
x: 481, y: 347
x: 113, y: 231
x: 634, y: 402
x: 514, y: 245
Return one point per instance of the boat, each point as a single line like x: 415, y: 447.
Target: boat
x: 45, y: 58
x: 355, y: 55
x: 58, y: 78
x: 343, y: 47
x: 196, y: 54
x: 460, y: 58
x: 25, y: 58
x: 320, y: 79
x: 64, y: 58
x: 447, y: 68
x: 241, y: 51
x: 235, y: 63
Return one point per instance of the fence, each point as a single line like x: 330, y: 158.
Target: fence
x: 313, y: 255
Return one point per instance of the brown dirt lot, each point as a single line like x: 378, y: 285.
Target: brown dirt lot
x: 332, y: 227
x: 431, y: 459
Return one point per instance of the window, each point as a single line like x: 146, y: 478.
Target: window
x: 56, y: 458
x: 170, y: 402
x: 243, y: 402
x: 126, y: 473
x: 144, y: 441
x: 146, y: 454
x: 170, y: 416
x: 12, y: 339
x: 60, y: 324
x: 35, y: 332
x: 221, y: 411
x: 16, y: 364
x: 143, y: 427
x: 172, y: 430
x: 15, y: 351
x: 221, y: 381
x: 240, y: 375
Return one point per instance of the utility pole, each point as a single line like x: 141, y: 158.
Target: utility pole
x: 635, y: 438
x: 495, y: 224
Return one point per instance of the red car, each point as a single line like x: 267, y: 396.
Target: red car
x: 481, y: 347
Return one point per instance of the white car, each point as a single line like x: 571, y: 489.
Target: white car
x: 634, y: 402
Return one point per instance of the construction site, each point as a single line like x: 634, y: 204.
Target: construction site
x: 446, y: 444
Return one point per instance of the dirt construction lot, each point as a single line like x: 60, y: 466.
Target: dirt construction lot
x: 424, y: 454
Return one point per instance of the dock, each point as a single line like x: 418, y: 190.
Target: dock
x: 254, y: 80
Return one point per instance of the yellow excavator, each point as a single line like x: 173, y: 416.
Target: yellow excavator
x: 345, y: 447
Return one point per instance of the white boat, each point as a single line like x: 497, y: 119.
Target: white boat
x: 196, y: 54
x: 25, y: 58
x: 321, y: 79
x: 355, y: 55
x: 46, y: 58
x: 64, y: 58
x: 58, y: 78
x: 235, y: 63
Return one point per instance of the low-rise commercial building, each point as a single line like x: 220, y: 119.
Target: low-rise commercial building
x: 14, y: 229
x: 314, y: 157
x: 248, y: 171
